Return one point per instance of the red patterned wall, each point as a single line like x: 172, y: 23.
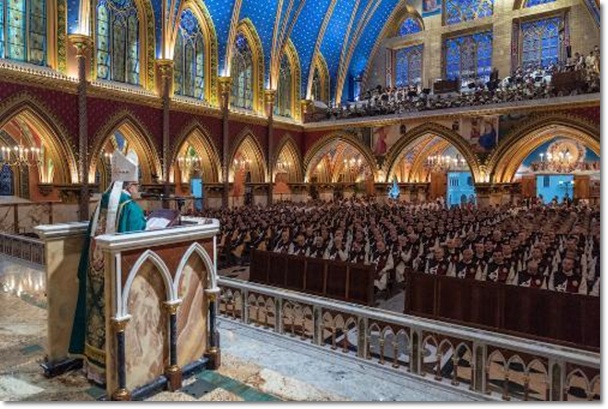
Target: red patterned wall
x: 181, y: 120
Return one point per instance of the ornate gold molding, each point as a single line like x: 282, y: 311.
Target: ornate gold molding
x: 247, y: 138
x: 199, y: 137
x: 288, y: 144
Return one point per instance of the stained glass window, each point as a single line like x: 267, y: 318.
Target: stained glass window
x: 540, y: 42
x: 459, y: 11
x: 409, y: 26
x: 408, y: 66
x: 317, y: 86
x: 282, y: 106
x: 6, y: 181
x: 242, y: 74
x: 532, y: 3
x: 117, y: 41
x: 468, y: 57
x: 190, y: 58
x: 23, y: 30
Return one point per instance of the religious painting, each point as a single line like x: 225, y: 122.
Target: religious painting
x: 385, y: 137
x: 431, y: 7
x: 481, y: 132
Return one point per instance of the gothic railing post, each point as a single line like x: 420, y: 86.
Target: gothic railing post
x: 245, y: 307
x: 362, y: 338
x: 278, y: 306
x: 317, y: 321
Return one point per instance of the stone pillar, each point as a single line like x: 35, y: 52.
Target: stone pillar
x: 82, y: 42
x: 482, y: 192
x: 224, y: 84
x: 165, y: 68
x: 269, y: 101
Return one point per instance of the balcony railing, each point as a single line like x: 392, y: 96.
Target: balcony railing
x: 494, y: 365
x: 22, y: 248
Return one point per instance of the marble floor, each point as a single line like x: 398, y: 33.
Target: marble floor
x: 256, y: 365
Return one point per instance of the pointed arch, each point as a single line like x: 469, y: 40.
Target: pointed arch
x: 290, y: 84
x: 51, y: 133
x: 289, y: 155
x: 247, y: 29
x: 318, y: 88
x: 200, y: 251
x: 200, y: 11
x: 517, y: 145
x: 161, y: 267
x: 248, y: 146
x: 433, y: 129
x: 334, y: 138
x: 199, y: 138
x: 146, y: 44
x: 138, y: 137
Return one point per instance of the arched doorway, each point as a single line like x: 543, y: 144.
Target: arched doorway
x: 442, y: 163
x: 570, y: 155
x: 341, y: 166
x: 247, y: 166
x: 125, y: 136
x: 287, y: 169
x: 195, y: 164
x: 34, y: 155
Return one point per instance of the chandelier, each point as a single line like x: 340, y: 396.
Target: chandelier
x: 241, y: 164
x: 561, y: 162
x: 283, y: 166
x: 21, y: 155
x: 445, y: 163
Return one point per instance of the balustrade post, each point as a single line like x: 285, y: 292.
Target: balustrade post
x: 278, y: 306
x: 558, y: 389
x: 479, y: 353
x: 415, y: 352
x: 526, y: 386
x: 438, y: 356
x: 395, y: 353
x: 362, y: 338
x: 245, y: 307
x: 455, y: 365
x: 317, y: 325
x: 505, y: 387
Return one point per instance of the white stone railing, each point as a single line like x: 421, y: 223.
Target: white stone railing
x: 22, y: 248
x: 498, y: 365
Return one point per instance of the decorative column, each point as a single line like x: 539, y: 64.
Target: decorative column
x: 213, y: 344
x: 269, y: 101
x: 165, y: 68
x: 121, y: 392
x: 306, y: 106
x: 225, y: 84
x: 81, y: 43
x: 173, y: 371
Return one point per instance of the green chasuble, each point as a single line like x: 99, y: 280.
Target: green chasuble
x: 88, y: 332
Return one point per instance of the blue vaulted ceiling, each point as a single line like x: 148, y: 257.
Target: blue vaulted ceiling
x: 263, y: 14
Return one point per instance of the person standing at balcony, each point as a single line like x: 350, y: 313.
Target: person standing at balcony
x: 116, y: 212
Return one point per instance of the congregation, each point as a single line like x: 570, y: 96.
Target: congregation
x: 524, y: 83
x: 553, y: 247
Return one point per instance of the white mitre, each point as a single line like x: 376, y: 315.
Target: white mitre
x: 125, y: 168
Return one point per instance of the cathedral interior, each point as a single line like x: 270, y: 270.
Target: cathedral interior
x: 363, y: 200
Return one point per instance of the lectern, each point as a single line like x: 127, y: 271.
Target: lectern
x: 160, y: 303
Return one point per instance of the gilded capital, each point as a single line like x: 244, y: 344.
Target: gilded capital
x: 269, y: 96
x: 120, y: 325
x: 306, y: 105
x: 165, y: 67
x: 171, y: 307
x: 80, y: 42
x: 225, y: 85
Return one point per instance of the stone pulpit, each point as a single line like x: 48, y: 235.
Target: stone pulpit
x: 159, y: 299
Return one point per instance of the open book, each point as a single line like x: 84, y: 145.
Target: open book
x: 162, y: 218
